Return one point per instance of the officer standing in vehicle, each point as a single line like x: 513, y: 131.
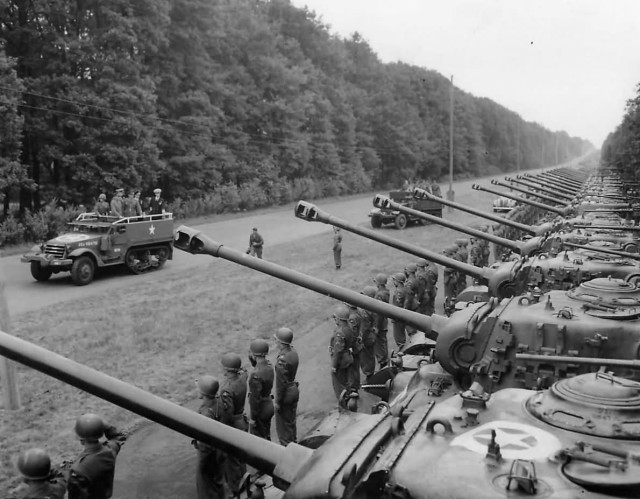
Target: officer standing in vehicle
x: 381, y: 347
x: 233, y: 393
x: 399, y: 297
x: 260, y: 384
x: 101, y: 207
x: 91, y: 474
x: 117, y: 203
x: 341, y: 352
x: 337, y: 247
x: 256, y: 243
x: 42, y: 482
x: 156, y: 205
x: 287, y: 393
x: 210, y: 483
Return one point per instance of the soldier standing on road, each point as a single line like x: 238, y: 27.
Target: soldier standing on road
x: 287, y: 393
x: 341, y: 352
x: 337, y: 247
x: 41, y: 481
x: 210, y: 482
x: 399, y: 297
x: 368, y: 336
x: 381, y: 321
x: 101, y: 207
x: 260, y: 384
x: 117, y: 204
x: 233, y: 393
x: 156, y: 205
x: 255, y: 243
x: 91, y: 474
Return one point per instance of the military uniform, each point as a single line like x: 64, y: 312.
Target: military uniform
x: 156, y: 206
x: 233, y: 393
x: 260, y: 400
x: 355, y: 320
x: 210, y: 476
x: 101, y: 208
x: 381, y: 348
x: 91, y: 474
x: 342, y: 358
x: 411, y: 299
x: 368, y: 336
x: 337, y: 248
x: 399, y: 298
x: 117, y: 206
x: 255, y: 244
x: 287, y: 394
x: 54, y: 487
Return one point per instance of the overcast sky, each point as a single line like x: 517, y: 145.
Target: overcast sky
x: 566, y: 64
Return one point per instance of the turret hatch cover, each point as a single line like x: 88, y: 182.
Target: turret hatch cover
x: 595, y: 404
x: 608, y: 298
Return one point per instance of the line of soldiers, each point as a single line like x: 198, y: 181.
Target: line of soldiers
x: 89, y: 476
x: 225, y: 402
x: 121, y: 206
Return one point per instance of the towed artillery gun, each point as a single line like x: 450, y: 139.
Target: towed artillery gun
x: 382, y: 216
x: 512, y: 443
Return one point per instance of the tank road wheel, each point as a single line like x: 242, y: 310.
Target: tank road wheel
x: 133, y: 262
x: 82, y: 271
x: 401, y: 221
x: 39, y: 272
x: 376, y: 222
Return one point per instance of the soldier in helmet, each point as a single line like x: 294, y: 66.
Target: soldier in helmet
x: 341, y: 351
x: 337, y: 247
x: 287, y: 393
x: 485, y: 249
x: 210, y: 481
x: 368, y: 336
x: 450, y: 281
x: 411, y: 293
x: 260, y: 384
x: 399, y: 297
x: 380, y: 321
x: 101, y: 207
x: 91, y: 474
x: 41, y: 481
x: 233, y: 393
x: 462, y: 255
x: 475, y: 252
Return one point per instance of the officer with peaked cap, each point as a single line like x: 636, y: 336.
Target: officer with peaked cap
x: 42, y: 482
x: 156, y: 205
x: 260, y: 385
x: 91, y: 474
x: 287, y: 393
x: 117, y: 203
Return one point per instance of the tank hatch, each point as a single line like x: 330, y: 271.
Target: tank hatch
x: 608, y: 298
x: 596, y: 404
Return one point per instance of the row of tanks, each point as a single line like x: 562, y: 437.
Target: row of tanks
x: 508, y: 397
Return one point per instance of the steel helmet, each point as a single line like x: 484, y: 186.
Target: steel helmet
x: 231, y: 361
x: 412, y: 268
x: 34, y: 464
x: 341, y: 313
x: 422, y: 263
x: 399, y: 277
x: 381, y: 279
x: 208, y: 386
x: 259, y: 347
x: 284, y: 335
x: 89, y: 427
x: 369, y: 291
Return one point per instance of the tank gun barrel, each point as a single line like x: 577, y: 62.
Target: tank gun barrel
x: 529, y: 229
x: 518, y: 247
x: 545, y: 183
x: 540, y: 188
x: 561, y: 359
x: 563, y: 181
x: 529, y: 193
x: 280, y: 462
x: 194, y: 242
x: 566, y: 211
x: 608, y: 251
x: 311, y: 213
x: 629, y: 228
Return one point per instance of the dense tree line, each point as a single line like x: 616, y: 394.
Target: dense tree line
x: 248, y: 98
x: 621, y: 149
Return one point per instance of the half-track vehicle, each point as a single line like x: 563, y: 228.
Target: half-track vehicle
x: 383, y: 216
x: 93, y: 241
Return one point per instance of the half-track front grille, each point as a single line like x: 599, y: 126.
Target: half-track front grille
x: 56, y: 250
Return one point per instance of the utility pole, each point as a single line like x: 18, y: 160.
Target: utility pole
x: 450, y: 193
x: 10, y: 394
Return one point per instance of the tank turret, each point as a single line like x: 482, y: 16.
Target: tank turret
x: 565, y: 211
x: 524, y: 248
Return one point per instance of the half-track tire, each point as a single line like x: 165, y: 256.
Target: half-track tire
x: 376, y: 222
x: 82, y: 271
x: 401, y: 221
x: 39, y: 272
x: 133, y: 263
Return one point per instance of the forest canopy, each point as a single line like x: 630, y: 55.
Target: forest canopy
x: 250, y: 97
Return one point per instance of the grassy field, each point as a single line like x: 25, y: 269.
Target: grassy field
x: 160, y: 339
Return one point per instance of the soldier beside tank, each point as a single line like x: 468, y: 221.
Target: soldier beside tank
x: 210, y: 474
x: 261, y: 378
x: 341, y: 351
x: 462, y: 255
x: 40, y: 479
x: 450, y: 278
x: 368, y: 336
x: 233, y: 393
x: 399, y: 296
x: 411, y: 293
x: 91, y: 474
x: 381, y: 347
x: 287, y: 393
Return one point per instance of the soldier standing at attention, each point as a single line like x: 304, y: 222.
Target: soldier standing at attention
x: 156, y: 205
x: 368, y: 336
x: 450, y: 283
x: 381, y: 321
x: 411, y: 296
x: 287, y: 393
x: 341, y: 352
x: 399, y: 297
x: 255, y: 243
x: 354, y: 323
x: 210, y: 483
x: 260, y: 385
x: 101, y: 207
x: 337, y: 247
x: 91, y: 474
x: 117, y: 204
x: 422, y: 292
x: 233, y: 393
x: 42, y: 482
